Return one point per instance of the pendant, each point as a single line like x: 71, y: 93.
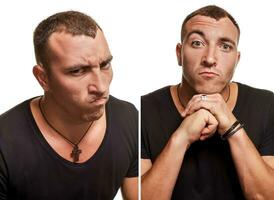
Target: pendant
x: 75, y: 153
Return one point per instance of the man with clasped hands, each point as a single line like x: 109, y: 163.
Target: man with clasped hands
x: 207, y: 137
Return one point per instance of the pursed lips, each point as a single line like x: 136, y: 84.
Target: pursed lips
x: 99, y: 100
x: 208, y: 73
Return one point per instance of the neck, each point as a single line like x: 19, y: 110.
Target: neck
x: 62, y: 121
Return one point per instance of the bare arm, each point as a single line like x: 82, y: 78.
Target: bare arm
x: 158, y: 180
x: 256, y: 173
x: 130, y: 188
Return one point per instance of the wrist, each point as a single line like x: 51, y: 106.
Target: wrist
x: 179, y: 139
x: 237, y: 135
x: 224, y: 127
x: 235, y: 127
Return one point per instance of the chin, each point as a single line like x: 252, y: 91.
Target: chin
x: 94, y: 115
x: 209, y: 88
x: 204, y: 86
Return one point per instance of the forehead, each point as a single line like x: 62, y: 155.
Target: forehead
x: 212, y: 27
x: 67, y: 47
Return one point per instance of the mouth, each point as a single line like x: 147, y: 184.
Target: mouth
x: 208, y: 74
x: 99, y: 101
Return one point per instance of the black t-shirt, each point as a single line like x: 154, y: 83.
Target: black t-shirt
x: 208, y: 171
x: 31, y: 169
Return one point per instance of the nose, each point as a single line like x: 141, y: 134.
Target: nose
x: 209, y: 58
x: 97, y: 83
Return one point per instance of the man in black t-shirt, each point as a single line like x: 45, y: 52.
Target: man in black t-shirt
x: 76, y: 141
x: 207, y: 137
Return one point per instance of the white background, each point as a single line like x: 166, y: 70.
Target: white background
x: 142, y: 35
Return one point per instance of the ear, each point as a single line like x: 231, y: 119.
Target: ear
x: 42, y: 77
x: 178, y: 53
x: 238, y: 56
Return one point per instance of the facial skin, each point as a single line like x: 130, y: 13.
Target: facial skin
x: 79, y: 77
x: 208, y: 54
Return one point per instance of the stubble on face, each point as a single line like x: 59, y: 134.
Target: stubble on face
x: 207, y: 68
x: 79, y: 84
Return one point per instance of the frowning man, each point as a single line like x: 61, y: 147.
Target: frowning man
x: 76, y: 141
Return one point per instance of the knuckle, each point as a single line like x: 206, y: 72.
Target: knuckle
x: 196, y: 96
x: 219, y: 97
x: 203, y: 111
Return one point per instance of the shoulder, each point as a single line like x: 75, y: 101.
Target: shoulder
x: 156, y: 97
x: 14, y: 128
x: 255, y: 95
x: 156, y: 102
x: 122, y: 120
x: 15, y: 116
x: 121, y: 107
x: 254, y: 90
x: 122, y: 114
x: 255, y: 106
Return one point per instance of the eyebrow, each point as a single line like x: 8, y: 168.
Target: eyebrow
x: 75, y: 67
x: 201, y: 33
x: 226, y: 39
x: 109, y: 59
x: 78, y: 66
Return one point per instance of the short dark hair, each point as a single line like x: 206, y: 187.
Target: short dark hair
x: 212, y: 11
x: 73, y: 22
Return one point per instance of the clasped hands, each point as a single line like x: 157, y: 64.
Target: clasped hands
x: 204, y: 114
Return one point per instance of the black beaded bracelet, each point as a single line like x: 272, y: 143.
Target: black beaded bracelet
x: 224, y: 136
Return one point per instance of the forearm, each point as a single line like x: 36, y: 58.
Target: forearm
x: 256, y: 177
x: 159, y: 181
x: 129, y: 188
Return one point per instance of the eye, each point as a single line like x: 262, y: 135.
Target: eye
x: 226, y: 47
x: 197, y: 44
x: 77, y: 72
x: 105, y: 65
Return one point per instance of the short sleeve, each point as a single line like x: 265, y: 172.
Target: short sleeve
x: 3, y: 178
x: 134, y: 164
x: 267, y: 145
x: 144, y: 134
x: 144, y: 150
x: 133, y: 170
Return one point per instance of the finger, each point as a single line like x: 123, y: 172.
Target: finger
x: 207, y: 105
x: 212, y: 124
x: 209, y: 129
x: 204, y: 137
x: 212, y: 121
x: 193, y: 100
